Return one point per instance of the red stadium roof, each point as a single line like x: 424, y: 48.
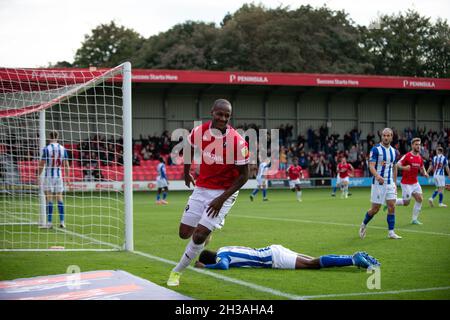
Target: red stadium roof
x: 66, y: 76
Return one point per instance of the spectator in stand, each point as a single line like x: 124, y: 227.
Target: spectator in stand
x: 353, y: 156
x: 282, y: 135
x: 146, y: 153
x: 310, y: 135
x: 323, y: 134
x: 303, y: 160
x: 120, y: 157
x: 136, y: 159
x: 289, y: 134
x: 347, y: 140
x: 283, y: 159
x: 356, y: 135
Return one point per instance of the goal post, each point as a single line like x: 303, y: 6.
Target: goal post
x: 90, y: 110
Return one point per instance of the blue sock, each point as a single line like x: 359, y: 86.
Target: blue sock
x: 164, y: 195
x: 49, y: 211
x: 264, y: 191
x: 158, y: 197
x: 434, y: 194
x: 61, y: 211
x: 255, y: 192
x: 367, y: 218
x: 441, y: 197
x: 332, y: 260
x: 391, y: 221
x: 334, y: 189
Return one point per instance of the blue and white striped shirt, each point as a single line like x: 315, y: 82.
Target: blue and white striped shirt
x: 263, y: 167
x: 234, y: 256
x: 385, y: 159
x: 439, y: 164
x: 53, y: 154
x: 161, y: 168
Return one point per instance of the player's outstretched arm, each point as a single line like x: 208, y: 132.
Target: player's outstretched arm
x: 223, y: 264
x: 401, y: 166
x: 188, y: 178
x: 374, y: 172
x: 41, y: 167
x: 430, y: 168
x: 424, y: 172
x: 395, y: 173
x: 215, y: 205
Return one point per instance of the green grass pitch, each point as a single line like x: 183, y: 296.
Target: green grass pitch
x: 318, y: 225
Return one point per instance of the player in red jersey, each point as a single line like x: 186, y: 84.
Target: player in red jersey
x: 410, y: 164
x: 294, y: 172
x: 223, y: 171
x: 345, y: 170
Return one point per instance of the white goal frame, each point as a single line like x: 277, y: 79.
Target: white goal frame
x: 125, y: 71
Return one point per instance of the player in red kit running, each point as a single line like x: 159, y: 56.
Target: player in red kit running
x: 223, y: 171
x: 294, y: 172
x: 345, y: 170
x: 410, y: 164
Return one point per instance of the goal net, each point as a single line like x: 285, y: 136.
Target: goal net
x: 91, y: 112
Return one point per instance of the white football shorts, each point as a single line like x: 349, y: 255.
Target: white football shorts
x: 409, y: 189
x: 293, y: 183
x: 195, y: 211
x: 439, y: 181
x: 261, y: 182
x: 381, y: 193
x: 53, y: 184
x: 283, y: 258
x: 340, y: 180
x: 161, y: 183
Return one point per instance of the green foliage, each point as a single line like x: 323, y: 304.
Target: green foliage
x: 307, y: 39
x: 408, y: 44
x: 107, y: 46
x: 185, y: 46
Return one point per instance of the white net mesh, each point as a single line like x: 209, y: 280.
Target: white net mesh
x: 86, y: 109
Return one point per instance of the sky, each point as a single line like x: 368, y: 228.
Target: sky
x: 34, y: 33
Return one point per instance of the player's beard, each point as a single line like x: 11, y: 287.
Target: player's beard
x: 220, y: 125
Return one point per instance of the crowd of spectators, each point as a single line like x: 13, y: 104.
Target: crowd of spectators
x: 319, y: 151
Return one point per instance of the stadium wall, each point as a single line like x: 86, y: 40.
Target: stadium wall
x: 154, y: 112
x: 169, y: 99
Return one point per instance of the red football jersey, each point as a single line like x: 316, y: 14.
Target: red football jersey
x: 344, y: 170
x: 294, y: 172
x: 221, y: 154
x: 416, y: 162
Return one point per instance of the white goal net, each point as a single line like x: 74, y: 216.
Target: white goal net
x: 82, y: 200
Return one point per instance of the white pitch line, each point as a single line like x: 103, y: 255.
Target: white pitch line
x: 373, y: 293
x: 227, y: 279
x: 256, y: 286
x: 337, y: 224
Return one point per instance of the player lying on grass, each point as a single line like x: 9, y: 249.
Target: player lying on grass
x: 278, y: 257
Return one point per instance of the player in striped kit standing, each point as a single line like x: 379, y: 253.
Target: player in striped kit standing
x: 53, y: 159
x: 261, y: 180
x: 161, y: 182
x: 382, y: 165
x: 438, y: 165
